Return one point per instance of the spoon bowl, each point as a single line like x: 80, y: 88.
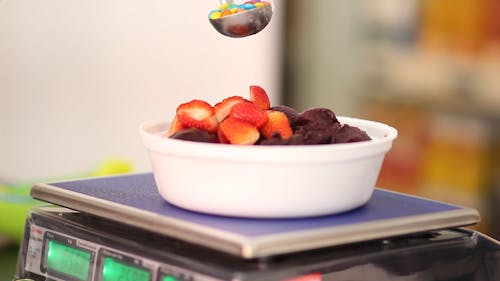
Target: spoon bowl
x: 244, y: 23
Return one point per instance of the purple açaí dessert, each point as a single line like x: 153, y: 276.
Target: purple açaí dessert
x: 316, y: 126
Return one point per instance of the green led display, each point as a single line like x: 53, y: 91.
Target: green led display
x: 68, y: 260
x: 114, y: 270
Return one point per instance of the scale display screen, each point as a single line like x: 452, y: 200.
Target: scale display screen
x: 68, y: 260
x: 114, y: 270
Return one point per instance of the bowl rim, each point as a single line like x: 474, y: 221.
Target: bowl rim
x: 154, y: 141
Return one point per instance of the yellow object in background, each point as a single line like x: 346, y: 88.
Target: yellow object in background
x: 112, y: 167
x: 454, y: 25
x: 456, y: 155
x: 455, y: 162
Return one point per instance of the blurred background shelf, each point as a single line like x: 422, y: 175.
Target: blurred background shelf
x: 429, y: 68
x: 433, y: 71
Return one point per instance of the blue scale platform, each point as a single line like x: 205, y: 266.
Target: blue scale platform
x: 133, y: 199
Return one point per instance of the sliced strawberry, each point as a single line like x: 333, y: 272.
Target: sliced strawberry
x: 220, y: 135
x: 223, y: 108
x: 249, y: 112
x: 175, y: 127
x: 259, y: 97
x: 278, y: 124
x: 198, y: 114
x: 235, y: 131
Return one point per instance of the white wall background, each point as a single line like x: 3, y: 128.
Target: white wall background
x: 78, y: 77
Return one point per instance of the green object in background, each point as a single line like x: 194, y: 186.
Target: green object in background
x: 16, y: 201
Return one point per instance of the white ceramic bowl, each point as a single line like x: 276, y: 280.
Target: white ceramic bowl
x: 267, y: 181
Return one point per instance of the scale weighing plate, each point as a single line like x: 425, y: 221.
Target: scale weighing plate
x: 134, y: 200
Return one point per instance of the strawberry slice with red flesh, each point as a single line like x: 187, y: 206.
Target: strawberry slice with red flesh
x: 223, y: 108
x: 220, y: 135
x: 259, y: 97
x: 235, y: 131
x: 278, y: 124
x: 250, y: 113
x: 197, y: 114
x: 175, y: 127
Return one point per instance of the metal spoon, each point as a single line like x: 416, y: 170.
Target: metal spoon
x: 245, y: 23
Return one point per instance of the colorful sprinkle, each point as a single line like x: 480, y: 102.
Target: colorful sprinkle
x: 214, y: 15
x: 225, y: 10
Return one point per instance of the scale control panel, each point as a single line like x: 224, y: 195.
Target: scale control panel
x: 62, y: 257
x: 61, y: 244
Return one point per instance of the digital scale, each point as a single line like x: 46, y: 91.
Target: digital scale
x: 120, y: 229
